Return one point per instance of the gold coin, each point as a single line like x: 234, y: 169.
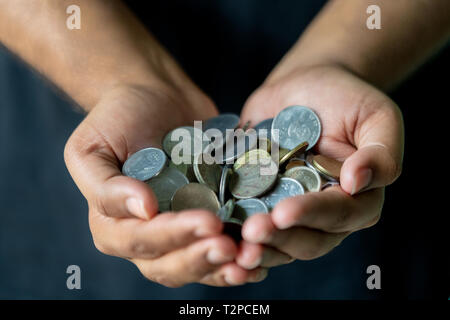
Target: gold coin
x: 284, y: 156
x: 295, y: 163
x: 195, y: 196
x: 327, y: 166
x: 254, y: 157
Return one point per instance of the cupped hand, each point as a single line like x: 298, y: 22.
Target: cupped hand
x: 361, y: 126
x: 172, y: 249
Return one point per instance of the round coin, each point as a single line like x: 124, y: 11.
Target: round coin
x: 308, y: 177
x: 208, y: 174
x: 247, y: 207
x: 327, y: 166
x: 295, y: 163
x: 145, y: 164
x: 186, y: 169
x: 222, y: 122
x: 253, y: 180
x: 165, y: 185
x: 295, y: 125
x: 255, y: 156
x: 236, y: 145
x: 223, y: 184
x: 285, y: 188
x: 190, y: 140
x: 195, y: 196
x: 298, y: 150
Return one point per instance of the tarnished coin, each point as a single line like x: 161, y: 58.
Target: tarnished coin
x: 191, y: 139
x: 195, y: 196
x: 327, y: 166
x: 267, y: 125
x: 226, y: 211
x: 165, y: 185
x: 208, y: 174
x: 223, y: 184
x: 295, y: 163
x: 285, y: 188
x: 222, y: 122
x: 186, y: 169
x: 247, y: 207
x: 308, y: 177
x: 255, y: 156
x: 298, y: 150
x: 295, y: 125
x: 253, y: 180
x: 145, y: 164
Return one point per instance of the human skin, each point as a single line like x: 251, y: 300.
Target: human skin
x: 340, y: 68
x: 134, y: 93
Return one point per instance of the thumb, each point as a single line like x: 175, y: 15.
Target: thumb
x: 378, y: 159
x: 97, y: 175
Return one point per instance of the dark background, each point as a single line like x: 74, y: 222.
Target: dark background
x: 227, y: 47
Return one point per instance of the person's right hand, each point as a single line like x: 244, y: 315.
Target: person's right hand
x: 172, y: 249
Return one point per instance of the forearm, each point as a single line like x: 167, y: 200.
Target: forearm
x: 410, y: 32
x: 111, y: 49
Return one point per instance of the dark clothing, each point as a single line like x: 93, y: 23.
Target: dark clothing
x: 228, y: 48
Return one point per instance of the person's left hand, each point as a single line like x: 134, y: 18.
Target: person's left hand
x: 360, y: 125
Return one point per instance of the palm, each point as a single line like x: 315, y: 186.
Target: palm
x: 344, y: 104
x: 132, y: 119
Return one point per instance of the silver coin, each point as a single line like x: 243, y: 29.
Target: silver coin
x: 265, y: 124
x: 195, y: 196
x: 234, y: 148
x: 245, y: 208
x: 222, y: 122
x: 193, y: 137
x: 234, y: 221
x: 165, y: 185
x: 223, y: 184
x: 308, y: 177
x: 208, y: 174
x: 145, y: 164
x: 295, y: 125
x: 285, y: 188
x: 250, y: 180
x: 324, y: 176
x: 226, y: 211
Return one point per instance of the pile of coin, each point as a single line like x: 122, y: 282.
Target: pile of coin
x: 273, y: 165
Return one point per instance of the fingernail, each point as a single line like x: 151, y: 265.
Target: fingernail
x: 230, y: 281
x: 260, y: 276
x: 255, y: 263
x: 216, y: 256
x: 136, y: 207
x: 365, y: 177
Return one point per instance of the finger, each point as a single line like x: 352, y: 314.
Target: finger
x: 298, y: 242
x: 135, y: 238
x: 378, y: 160
x: 331, y: 210
x: 252, y: 255
x: 95, y: 168
x: 231, y: 274
x: 190, y: 264
x: 305, y: 244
